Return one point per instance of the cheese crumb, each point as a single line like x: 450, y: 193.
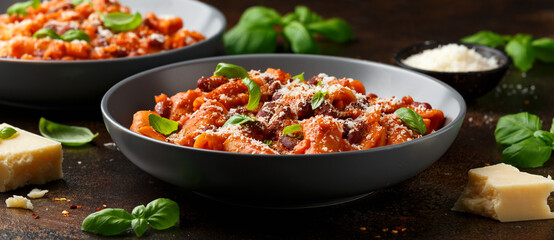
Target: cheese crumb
x: 19, y: 202
x: 504, y: 193
x: 37, y: 193
x: 451, y: 58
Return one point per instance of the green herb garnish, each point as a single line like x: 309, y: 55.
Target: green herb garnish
x: 230, y: 71
x: 290, y: 129
x: 300, y: 77
x: 233, y: 71
x: 7, y: 132
x: 162, y: 125
x: 411, y: 119
x: 75, y: 34
x: 121, y: 22
x: 254, y: 93
x: 67, y: 135
x: 522, y: 48
x: 68, y: 36
x: 267, y: 142
x: 46, y: 32
x: 78, y: 2
x: 318, y: 98
x: 255, y: 32
x: 20, y: 8
x: 160, y: 214
x: 238, y: 119
x: 526, y: 144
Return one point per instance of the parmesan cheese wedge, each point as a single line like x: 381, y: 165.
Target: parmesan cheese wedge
x: 504, y: 193
x: 28, y: 159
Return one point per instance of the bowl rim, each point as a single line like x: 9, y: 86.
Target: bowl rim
x: 434, y: 44
x: 219, y: 32
x: 108, y: 116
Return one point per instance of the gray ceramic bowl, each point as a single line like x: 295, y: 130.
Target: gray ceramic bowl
x: 470, y: 84
x: 54, y: 84
x: 281, y: 181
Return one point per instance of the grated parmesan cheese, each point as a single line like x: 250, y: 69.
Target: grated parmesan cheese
x: 451, y: 58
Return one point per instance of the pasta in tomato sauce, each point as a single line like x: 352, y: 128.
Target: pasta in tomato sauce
x: 152, y: 34
x: 328, y: 114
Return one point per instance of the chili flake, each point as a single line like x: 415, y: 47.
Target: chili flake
x: 75, y: 206
x: 363, y: 228
x: 35, y: 216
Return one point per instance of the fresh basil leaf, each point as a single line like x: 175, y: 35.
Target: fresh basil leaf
x: 260, y: 16
x: 290, y: 129
x: 238, y: 119
x: 67, y: 135
x: 140, y: 225
x: 107, y: 222
x: 121, y: 22
x: 514, y: 128
x: 78, y: 2
x: 230, y: 71
x: 529, y: 153
x: 318, y: 98
x: 335, y: 29
x: 75, y: 34
x: 300, y: 39
x: 544, y: 136
x: 411, y: 119
x: 288, y: 18
x: 46, y: 32
x: 7, y: 132
x: 299, y: 77
x: 244, y: 39
x: 306, y: 16
x: 485, y: 37
x: 139, y: 211
x: 521, y: 50
x: 254, y: 93
x: 20, y: 8
x: 162, y: 125
x: 267, y: 142
x: 162, y: 213
x: 319, y: 83
x: 544, y: 49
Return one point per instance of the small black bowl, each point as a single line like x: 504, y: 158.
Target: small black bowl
x: 470, y: 85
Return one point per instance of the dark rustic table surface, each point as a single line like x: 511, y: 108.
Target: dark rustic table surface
x: 418, y: 208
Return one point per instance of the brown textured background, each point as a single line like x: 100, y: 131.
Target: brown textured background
x: 98, y: 174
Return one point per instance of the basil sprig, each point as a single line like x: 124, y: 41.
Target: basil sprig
x: 121, y: 22
x: 7, y: 132
x: 20, y: 8
x: 68, y: 36
x: 238, y: 119
x: 67, y: 135
x: 162, y: 125
x: 411, y: 119
x: 318, y: 98
x: 522, y: 48
x: 233, y: 71
x: 160, y: 214
x: 256, y: 31
x: 526, y: 145
x: 290, y: 129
